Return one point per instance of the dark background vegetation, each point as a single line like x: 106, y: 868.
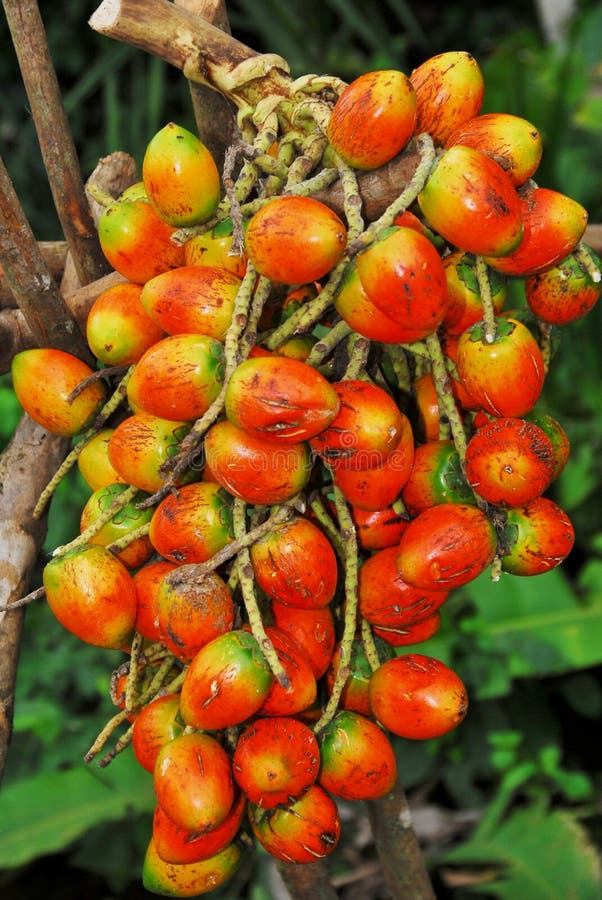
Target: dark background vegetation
x: 509, y: 804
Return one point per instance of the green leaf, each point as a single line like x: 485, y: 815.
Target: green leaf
x: 538, y: 854
x: 47, y: 812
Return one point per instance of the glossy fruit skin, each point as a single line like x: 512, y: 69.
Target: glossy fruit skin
x: 464, y: 306
x: 280, y: 558
x: 553, y: 226
x: 312, y: 629
x: 365, y: 431
x: 192, y: 611
x: 353, y: 305
x: 140, y: 445
x: 180, y: 176
x: 413, y: 633
x: 193, y: 781
x: 373, y: 118
x: 118, y: 329
x: 510, y: 461
x: 302, y: 689
x: 402, y: 274
x: 565, y: 292
x: 377, y: 487
x: 136, y: 241
x: 428, y: 415
x: 417, y: 697
x: 93, y: 461
x: 127, y: 519
x: 147, y: 580
x: 471, y: 202
x: 191, y: 879
x: 386, y: 600
x: 449, y: 90
x: 178, y: 378
x: 280, y: 399
x: 561, y: 444
x: 295, y: 240
x: 354, y: 696
x: 302, y: 832
x: 436, y: 477
x: 380, y: 528
x: 192, y: 299
x: 190, y: 526
x: 510, y: 139
x: 92, y: 594
x: 43, y: 379
x: 253, y: 469
x: 446, y: 546
x: 276, y: 760
x: 226, y: 682
x: 537, y: 537
x: 213, y: 248
x: 505, y: 377
x: 358, y: 762
x: 179, y: 847
x: 156, y: 725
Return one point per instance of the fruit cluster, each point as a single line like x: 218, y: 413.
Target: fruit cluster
x: 303, y: 432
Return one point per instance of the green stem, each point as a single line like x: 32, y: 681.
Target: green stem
x: 359, y: 347
x: 326, y: 344
x: 369, y: 645
x: 352, y: 201
x: 98, y: 524
x: 482, y: 272
x: 445, y: 395
x: 129, y: 538
x: 586, y: 261
x: 316, y: 504
x: 349, y: 540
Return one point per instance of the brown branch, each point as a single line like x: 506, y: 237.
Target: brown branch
x: 30, y: 280
x: 25, y: 467
x: 54, y: 254
x: 54, y: 136
x: 214, y: 114
x: 398, y: 849
x: 308, y: 880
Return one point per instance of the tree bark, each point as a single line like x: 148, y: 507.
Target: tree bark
x: 26, y: 465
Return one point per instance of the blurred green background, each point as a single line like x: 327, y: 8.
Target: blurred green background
x: 509, y: 805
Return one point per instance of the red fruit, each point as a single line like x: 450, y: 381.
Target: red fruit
x: 280, y: 563
x: 446, y: 546
x: 302, y: 832
x: 436, y: 477
x: 276, y: 760
x: 366, y: 430
x: 505, y: 377
x: 92, y: 594
x: 510, y: 462
x: 354, y: 695
x: 358, y: 762
x: 301, y: 690
x: 377, y: 529
x: 156, y: 725
x: 192, y: 525
x: 512, y: 141
x: 180, y: 176
x: 471, y: 202
x: 178, y: 378
x: 537, y: 537
x: 147, y: 580
x: 464, y: 304
x: 449, y: 90
x: 280, y: 399
x: 118, y: 329
x: 295, y: 240
x: 191, y: 879
x: 214, y: 248
x: 565, y: 292
x: 179, y: 847
x: 44, y: 378
x: 379, y: 486
x: 253, y: 469
x: 557, y: 435
x: 352, y: 304
x: 553, y: 226
x: 192, y: 610
x: 413, y: 633
x: 417, y: 697
x: 192, y: 300
x: 402, y: 274
x: 141, y: 444
x: 226, y: 682
x: 312, y: 629
x: 373, y: 119
x: 386, y: 600
x: 428, y: 414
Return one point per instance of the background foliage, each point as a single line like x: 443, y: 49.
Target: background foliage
x: 514, y: 794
